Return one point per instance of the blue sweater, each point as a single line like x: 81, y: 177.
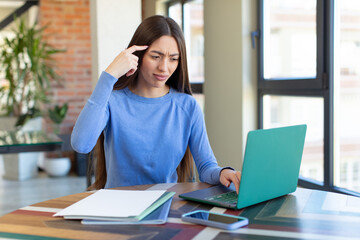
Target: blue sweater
x: 144, y: 138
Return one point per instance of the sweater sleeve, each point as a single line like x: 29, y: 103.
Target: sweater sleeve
x: 94, y: 116
x: 204, y: 158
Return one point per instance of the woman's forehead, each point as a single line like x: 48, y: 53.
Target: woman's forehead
x: 165, y: 45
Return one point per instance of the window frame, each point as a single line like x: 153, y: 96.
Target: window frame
x: 321, y: 86
x: 196, y: 88
x: 317, y: 83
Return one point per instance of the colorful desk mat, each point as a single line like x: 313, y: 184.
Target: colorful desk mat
x: 305, y: 214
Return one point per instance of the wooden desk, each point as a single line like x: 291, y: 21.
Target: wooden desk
x: 305, y: 214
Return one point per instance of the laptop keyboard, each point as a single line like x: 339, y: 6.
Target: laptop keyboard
x: 229, y: 197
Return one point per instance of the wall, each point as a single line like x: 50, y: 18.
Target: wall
x: 69, y: 29
x: 230, y: 77
x: 153, y: 7
x: 113, y: 23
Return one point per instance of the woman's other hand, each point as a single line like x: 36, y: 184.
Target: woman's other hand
x: 228, y: 176
x: 125, y: 63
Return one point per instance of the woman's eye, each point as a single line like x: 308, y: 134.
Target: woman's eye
x: 174, y: 59
x: 155, y: 57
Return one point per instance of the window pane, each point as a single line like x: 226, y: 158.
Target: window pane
x: 286, y: 110
x: 347, y: 94
x: 289, y: 39
x: 194, y: 37
x: 175, y: 13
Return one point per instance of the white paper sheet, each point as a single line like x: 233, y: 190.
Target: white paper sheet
x: 112, y: 203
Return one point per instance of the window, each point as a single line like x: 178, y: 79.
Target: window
x: 309, y: 73
x: 346, y: 93
x: 189, y: 15
x: 289, y: 44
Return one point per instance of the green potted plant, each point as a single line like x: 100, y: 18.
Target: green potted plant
x: 57, y: 114
x: 27, y: 66
x: 26, y: 72
x: 59, y: 166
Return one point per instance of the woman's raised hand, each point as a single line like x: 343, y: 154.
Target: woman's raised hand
x: 125, y: 63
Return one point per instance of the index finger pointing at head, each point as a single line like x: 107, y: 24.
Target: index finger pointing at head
x: 135, y: 48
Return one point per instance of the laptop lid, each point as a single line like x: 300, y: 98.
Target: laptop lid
x: 271, y: 164
x: 270, y: 168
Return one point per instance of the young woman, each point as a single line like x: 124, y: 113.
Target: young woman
x: 147, y: 126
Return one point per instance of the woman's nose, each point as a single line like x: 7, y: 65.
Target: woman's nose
x: 163, y: 65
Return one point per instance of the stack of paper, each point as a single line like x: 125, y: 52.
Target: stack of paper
x: 128, y: 206
x: 158, y: 216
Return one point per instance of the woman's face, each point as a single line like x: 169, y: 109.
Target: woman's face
x: 159, y: 63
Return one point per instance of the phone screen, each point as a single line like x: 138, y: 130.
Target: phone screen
x: 214, y: 217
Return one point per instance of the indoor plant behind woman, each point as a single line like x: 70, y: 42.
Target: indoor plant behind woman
x: 59, y: 166
x: 26, y: 71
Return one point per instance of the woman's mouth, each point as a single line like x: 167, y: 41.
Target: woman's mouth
x: 161, y: 77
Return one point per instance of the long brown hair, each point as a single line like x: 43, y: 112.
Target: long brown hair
x: 149, y: 31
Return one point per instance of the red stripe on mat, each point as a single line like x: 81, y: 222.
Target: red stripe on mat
x: 188, y: 230
x: 233, y: 212
x: 33, y: 213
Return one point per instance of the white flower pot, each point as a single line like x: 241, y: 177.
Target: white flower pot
x: 20, y: 166
x: 57, y: 167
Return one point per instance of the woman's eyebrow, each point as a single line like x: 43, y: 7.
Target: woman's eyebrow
x: 162, y: 54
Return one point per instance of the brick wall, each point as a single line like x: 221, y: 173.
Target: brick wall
x: 69, y: 28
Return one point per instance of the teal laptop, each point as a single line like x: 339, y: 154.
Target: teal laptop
x: 270, y: 169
